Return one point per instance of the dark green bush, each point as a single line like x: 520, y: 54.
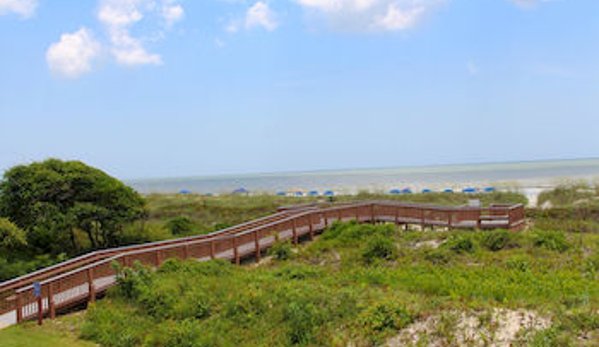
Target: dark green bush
x: 439, y: 256
x: 460, y: 244
x: 180, y: 225
x: 302, y: 318
x: 281, y: 250
x: 551, y: 240
x: 497, y: 240
x: 387, y: 315
x: 195, y: 303
x: 379, y: 247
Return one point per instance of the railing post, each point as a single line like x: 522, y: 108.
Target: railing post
x: 51, y: 308
x: 257, y: 245
x: 186, y: 251
x: 18, y: 307
x: 311, y: 228
x: 294, y: 230
x: 326, y: 219
x: 422, y: 224
x: 92, y: 286
x: 450, y: 220
x: 372, y: 213
x: 396, y: 215
x: 478, y: 221
x: 158, y: 258
x: 357, y: 214
x: 235, y: 250
x: 212, y: 250
x: 40, y: 310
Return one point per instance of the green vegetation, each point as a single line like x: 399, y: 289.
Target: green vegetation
x: 55, y: 209
x: 66, y: 208
x: 360, y: 285
x: 356, y: 284
x: 62, y: 332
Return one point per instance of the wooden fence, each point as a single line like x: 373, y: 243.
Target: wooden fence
x: 81, y: 279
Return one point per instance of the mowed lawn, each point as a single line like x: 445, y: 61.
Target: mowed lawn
x: 62, y: 332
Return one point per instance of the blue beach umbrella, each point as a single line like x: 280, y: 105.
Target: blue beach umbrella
x: 313, y: 193
x: 426, y: 190
x: 448, y: 190
x: 241, y: 190
x: 298, y: 193
x: 469, y: 190
x: 489, y: 189
x: 329, y: 193
x: 184, y: 191
x: 394, y: 191
x: 281, y: 193
x: 406, y: 191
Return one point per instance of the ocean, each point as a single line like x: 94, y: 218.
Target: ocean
x: 530, y: 177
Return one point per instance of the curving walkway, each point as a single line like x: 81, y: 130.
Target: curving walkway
x: 81, y: 279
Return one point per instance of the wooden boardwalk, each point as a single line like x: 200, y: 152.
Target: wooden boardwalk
x: 81, y: 279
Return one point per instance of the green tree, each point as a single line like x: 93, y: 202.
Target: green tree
x: 53, y: 199
x: 12, y: 239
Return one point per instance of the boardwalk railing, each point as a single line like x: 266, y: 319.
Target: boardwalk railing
x: 82, y: 279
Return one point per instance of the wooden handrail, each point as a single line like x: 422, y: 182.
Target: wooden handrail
x: 80, y: 279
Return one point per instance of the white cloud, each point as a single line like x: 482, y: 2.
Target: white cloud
x: 398, y: 19
x: 371, y: 15
x: 120, y: 16
x: 529, y: 3
x: 172, y: 12
x: 24, y: 8
x: 72, y: 55
x: 261, y: 15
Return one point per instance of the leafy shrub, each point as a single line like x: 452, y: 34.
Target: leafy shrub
x: 352, y: 233
x: 497, y: 240
x: 460, y: 244
x: 243, y: 306
x: 160, y: 298
x: 302, y: 318
x: 439, y: 256
x: 196, y: 303
x: 222, y: 225
x: 131, y: 280
x: 281, y: 250
x: 185, y: 333
x: 297, y: 272
x: 518, y: 263
x: 114, y: 326
x: 546, y: 338
x: 551, y: 240
x: 379, y: 248
x: 386, y: 315
x: 180, y: 225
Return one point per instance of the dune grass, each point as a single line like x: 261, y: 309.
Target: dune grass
x: 360, y: 285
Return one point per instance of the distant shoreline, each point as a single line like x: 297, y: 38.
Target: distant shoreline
x: 530, y: 178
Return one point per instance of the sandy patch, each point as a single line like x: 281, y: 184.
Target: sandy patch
x: 500, y: 328
x: 434, y: 244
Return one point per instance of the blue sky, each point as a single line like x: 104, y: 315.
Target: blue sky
x: 166, y: 88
